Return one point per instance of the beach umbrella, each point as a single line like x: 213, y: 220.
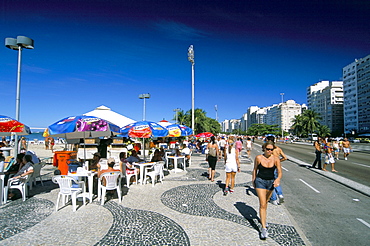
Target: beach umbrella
x: 75, y: 127
x: 9, y: 126
x: 144, y: 129
x: 204, y: 135
x: 175, y: 130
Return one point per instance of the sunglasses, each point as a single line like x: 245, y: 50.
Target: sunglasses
x: 269, y: 149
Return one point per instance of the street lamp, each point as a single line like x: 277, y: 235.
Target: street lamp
x: 191, y: 59
x: 216, y: 109
x: 282, y: 101
x: 17, y: 44
x: 176, y: 110
x: 144, y: 96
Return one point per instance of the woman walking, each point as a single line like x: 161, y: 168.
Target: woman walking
x: 213, y: 154
x: 264, y: 181
x: 232, y: 165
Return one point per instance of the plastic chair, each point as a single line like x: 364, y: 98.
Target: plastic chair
x: 128, y: 176
x: 20, y: 184
x: 112, y: 181
x: 36, y: 174
x: 157, y: 171
x: 67, y: 189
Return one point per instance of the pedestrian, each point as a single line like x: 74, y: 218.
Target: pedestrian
x: 278, y: 191
x: 264, y: 180
x: 329, y: 158
x: 317, y: 144
x: 221, y: 145
x: 346, y: 148
x: 239, y: 145
x: 249, y: 146
x: 336, y: 148
x: 213, y: 155
x: 232, y: 165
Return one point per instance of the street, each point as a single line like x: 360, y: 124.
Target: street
x: 328, y: 212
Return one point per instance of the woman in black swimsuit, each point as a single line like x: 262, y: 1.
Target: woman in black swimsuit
x: 263, y: 180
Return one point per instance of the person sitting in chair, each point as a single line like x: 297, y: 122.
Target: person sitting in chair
x: 26, y: 168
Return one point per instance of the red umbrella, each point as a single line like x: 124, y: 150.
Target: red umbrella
x: 204, y: 135
x: 9, y: 125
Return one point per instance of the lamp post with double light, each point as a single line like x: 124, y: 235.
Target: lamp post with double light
x: 176, y: 110
x: 282, y: 101
x: 144, y: 96
x: 191, y: 59
x: 19, y: 43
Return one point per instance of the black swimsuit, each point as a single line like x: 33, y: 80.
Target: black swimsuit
x: 266, y: 173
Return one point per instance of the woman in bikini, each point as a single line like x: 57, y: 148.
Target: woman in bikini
x: 264, y: 181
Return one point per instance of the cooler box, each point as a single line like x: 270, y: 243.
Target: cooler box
x: 61, y: 160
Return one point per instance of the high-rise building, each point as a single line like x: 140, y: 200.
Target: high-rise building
x: 282, y: 114
x: 326, y: 99
x: 356, y: 86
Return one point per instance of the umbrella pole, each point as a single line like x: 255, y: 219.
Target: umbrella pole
x: 144, y: 148
x: 84, y: 148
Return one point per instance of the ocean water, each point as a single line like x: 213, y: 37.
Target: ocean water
x: 35, y: 135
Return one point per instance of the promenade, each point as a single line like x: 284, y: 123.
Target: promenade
x: 186, y: 209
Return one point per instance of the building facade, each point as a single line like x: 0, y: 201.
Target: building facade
x: 356, y: 86
x: 326, y: 99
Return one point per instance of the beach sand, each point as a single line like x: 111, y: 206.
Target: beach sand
x: 42, y: 153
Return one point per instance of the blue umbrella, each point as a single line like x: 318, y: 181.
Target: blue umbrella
x: 75, y: 127
x: 144, y: 129
x: 176, y: 130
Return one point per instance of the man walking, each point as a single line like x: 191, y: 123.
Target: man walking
x: 346, y: 148
x: 317, y: 161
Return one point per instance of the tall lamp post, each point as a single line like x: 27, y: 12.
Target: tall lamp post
x: 191, y: 59
x: 144, y: 96
x: 176, y: 110
x: 18, y: 44
x: 216, y: 109
x: 282, y: 101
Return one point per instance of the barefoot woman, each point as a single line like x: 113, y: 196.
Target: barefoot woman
x: 264, y: 181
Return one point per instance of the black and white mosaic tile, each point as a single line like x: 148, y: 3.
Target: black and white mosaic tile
x: 139, y: 227
x: 16, y: 216
x: 197, y: 199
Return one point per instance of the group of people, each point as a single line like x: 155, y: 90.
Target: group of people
x: 331, y: 149
x: 20, y: 168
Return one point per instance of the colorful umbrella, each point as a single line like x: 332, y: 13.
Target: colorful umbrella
x: 204, y: 135
x: 176, y: 130
x: 143, y: 129
x: 9, y: 126
x: 75, y: 127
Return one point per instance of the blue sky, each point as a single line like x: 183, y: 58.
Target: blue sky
x: 93, y: 52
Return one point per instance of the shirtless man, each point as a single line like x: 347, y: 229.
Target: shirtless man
x: 346, y: 148
x: 278, y: 152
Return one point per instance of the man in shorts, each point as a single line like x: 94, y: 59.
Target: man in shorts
x: 346, y: 148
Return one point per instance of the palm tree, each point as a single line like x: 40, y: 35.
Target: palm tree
x: 323, y: 130
x: 310, y: 121
x: 297, y: 126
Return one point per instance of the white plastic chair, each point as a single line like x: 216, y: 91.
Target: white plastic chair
x: 128, y: 176
x: 156, y: 171
x: 103, y: 162
x: 36, y: 174
x: 66, y: 190
x: 112, y: 182
x: 20, y: 184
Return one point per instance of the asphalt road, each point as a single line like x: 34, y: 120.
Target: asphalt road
x: 328, y: 212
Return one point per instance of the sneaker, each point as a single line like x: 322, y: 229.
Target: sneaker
x: 264, y: 233
x: 275, y: 202
x: 231, y: 191
x: 345, y: 158
x: 281, y: 199
x: 225, y: 191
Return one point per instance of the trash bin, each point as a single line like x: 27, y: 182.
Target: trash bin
x: 61, y: 160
